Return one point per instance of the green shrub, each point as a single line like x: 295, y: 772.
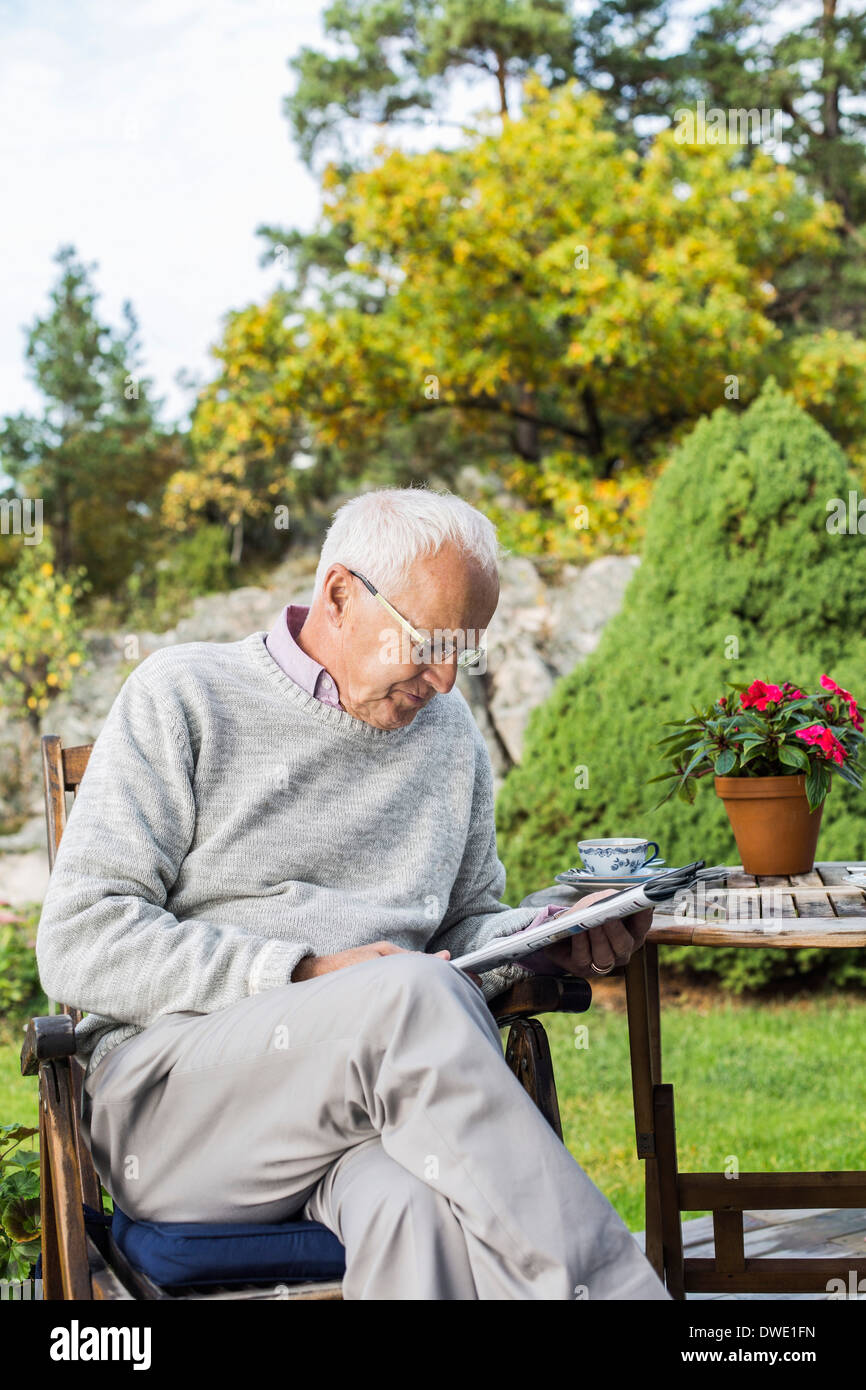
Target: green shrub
x: 20, y: 1206
x: 740, y: 579
x: 19, y: 1203
x: 21, y: 994
x: 196, y: 564
x: 159, y: 592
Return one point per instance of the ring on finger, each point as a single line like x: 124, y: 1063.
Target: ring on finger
x: 593, y: 966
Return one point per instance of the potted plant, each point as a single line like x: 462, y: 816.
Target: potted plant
x: 772, y: 750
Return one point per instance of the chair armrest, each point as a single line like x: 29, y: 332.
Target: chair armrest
x: 47, y: 1037
x: 544, y: 994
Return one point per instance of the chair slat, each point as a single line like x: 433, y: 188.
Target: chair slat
x: 75, y: 764
x: 61, y: 1132
x: 55, y: 799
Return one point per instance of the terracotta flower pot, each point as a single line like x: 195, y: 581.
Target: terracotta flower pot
x: 775, y: 831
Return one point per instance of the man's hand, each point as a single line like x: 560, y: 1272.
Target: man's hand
x: 606, y: 946
x: 310, y: 966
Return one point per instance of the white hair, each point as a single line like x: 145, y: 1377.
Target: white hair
x: 383, y: 532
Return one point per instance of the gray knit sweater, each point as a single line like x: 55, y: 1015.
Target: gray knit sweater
x: 229, y: 823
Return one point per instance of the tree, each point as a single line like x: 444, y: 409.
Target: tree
x: 813, y: 69
x: 578, y: 333
x: 247, y: 430
x: 399, y: 54
x: 740, y: 55
x: 807, y: 71
x: 97, y: 456
x: 41, y: 638
x: 742, y: 578
x: 623, y: 53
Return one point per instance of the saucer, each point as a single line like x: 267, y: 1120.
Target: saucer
x: 582, y: 878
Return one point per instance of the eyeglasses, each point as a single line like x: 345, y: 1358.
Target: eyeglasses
x: 422, y: 646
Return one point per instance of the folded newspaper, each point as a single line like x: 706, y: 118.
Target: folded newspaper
x: 504, y: 950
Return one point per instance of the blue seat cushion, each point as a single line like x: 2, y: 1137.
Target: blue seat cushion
x: 175, y: 1253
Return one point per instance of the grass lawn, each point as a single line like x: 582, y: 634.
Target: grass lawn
x: 773, y: 1082
x: 18, y: 1094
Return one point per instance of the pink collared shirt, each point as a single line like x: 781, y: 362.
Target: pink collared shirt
x: 310, y: 675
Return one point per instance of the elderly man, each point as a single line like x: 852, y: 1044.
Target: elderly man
x: 277, y: 844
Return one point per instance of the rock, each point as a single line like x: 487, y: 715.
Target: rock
x: 24, y: 864
x: 24, y: 877
x: 580, y: 609
x: 31, y: 836
x: 474, y: 688
x: 520, y: 681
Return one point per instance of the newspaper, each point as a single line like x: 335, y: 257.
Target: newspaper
x: 622, y: 903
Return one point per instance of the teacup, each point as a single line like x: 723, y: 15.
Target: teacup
x: 617, y: 856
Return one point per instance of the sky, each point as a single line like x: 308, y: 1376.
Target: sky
x: 150, y: 135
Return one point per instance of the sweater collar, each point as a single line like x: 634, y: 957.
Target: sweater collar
x: 339, y: 719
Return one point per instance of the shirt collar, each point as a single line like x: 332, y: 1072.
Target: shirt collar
x: 309, y: 674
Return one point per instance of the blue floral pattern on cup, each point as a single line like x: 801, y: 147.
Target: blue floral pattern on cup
x: 617, y: 856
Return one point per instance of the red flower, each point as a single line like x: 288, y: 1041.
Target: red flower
x: 822, y: 738
x: 856, y: 717
x: 760, y: 695
x: 829, y: 684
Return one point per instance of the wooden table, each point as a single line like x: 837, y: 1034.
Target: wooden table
x: 814, y: 909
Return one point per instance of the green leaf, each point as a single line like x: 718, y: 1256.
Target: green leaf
x: 23, y: 1158
x: 794, y: 757
x: 699, y: 757
x: 725, y: 762
x: 16, y: 1132
x: 755, y: 750
x: 817, y: 784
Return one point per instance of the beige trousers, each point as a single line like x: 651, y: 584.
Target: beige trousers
x: 377, y: 1100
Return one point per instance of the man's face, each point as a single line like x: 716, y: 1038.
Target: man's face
x: 377, y: 679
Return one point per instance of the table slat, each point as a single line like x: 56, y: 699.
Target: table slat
x: 848, y: 904
x: 790, y: 933
x: 834, y: 873
x: 737, y: 879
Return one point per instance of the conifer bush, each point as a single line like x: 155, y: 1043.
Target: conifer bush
x: 742, y: 577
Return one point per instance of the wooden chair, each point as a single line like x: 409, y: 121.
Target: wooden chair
x: 80, y: 1257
